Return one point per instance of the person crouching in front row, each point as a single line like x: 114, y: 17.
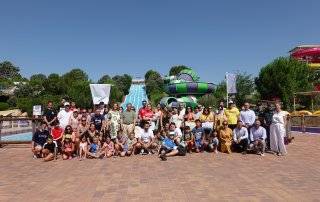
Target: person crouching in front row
x: 225, y: 136
x: 50, y: 149
x: 240, y: 138
x: 258, y: 136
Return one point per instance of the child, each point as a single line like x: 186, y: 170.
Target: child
x: 159, y: 137
x: 83, y: 148
x: 131, y: 144
x: 108, y: 146
x: 94, y: 150
x: 121, y: 146
x: 50, y: 149
x: 211, y: 142
x: 68, y: 134
x: 67, y: 149
x: 198, y: 133
x: 56, y: 133
x: 188, y: 139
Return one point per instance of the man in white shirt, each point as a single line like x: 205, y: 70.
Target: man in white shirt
x: 247, y: 116
x: 145, y: 139
x: 64, y: 115
x: 258, y: 136
x: 240, y: 138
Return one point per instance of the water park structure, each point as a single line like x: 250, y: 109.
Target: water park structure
x: 185, y: 87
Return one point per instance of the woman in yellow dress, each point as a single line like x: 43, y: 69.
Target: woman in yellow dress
x: 225, y: 135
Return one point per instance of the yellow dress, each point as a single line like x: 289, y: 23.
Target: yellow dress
x: 225, y: 136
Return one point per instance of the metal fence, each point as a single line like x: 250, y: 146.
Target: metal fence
x: 305, y: 123
x: 15, y: 129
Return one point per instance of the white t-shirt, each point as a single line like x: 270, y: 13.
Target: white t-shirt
x: 63, y: 118
x: 145, y: 136
x: 178, y: 132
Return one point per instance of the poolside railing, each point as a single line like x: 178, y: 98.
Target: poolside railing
x: 15, y: 126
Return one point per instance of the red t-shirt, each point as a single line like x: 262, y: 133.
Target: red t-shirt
x: 142, y: 111
x: 56, y: 133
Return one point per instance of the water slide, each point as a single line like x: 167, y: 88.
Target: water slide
x: 136, y: 95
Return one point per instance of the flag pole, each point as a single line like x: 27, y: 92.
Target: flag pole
x: 227, y: 89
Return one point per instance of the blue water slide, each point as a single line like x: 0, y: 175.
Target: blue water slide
x: 137, y: 94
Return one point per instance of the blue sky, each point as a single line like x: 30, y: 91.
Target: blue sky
x: 117, y: 37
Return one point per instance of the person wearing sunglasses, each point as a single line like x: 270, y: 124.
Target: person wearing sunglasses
x: 225, y: 136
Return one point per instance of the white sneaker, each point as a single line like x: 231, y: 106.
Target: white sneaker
x: 142, y: 151
x: 262, y: 154
x: 35, y: 157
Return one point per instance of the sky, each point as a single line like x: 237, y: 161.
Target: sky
x: 133, y: 36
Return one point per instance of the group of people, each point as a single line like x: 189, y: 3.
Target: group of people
x: 166, y: 131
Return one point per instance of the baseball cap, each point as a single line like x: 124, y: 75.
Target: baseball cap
x: 230, y: 102
x: 66, y: 104
x: 172, y: 133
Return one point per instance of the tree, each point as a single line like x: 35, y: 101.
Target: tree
x: 154, y: 86
x: 37, y: 82
x: 104, y: 79
x: 177, y: 69
x: 282, y: 78
x: 75, y: 75
x: 123, y: 82
x: 55, y: 85
x: 80, y: 93
x: 9, y: 71
x: 245, y: 88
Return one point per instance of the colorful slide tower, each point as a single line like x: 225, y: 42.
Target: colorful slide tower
x: 185, y: 87
x: 309, y: 54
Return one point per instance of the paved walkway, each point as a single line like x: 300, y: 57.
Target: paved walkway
x: 196, y: 177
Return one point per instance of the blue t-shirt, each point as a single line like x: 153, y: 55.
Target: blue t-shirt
x: 94, y: 148
x: 40, y: 137
x: 198, y: 133
x: 97, y: 120
x: 168, y: 143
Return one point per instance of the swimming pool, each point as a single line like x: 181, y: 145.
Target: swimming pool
x: 21, y: 137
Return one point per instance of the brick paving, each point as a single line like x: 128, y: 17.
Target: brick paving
x: 195, y: 177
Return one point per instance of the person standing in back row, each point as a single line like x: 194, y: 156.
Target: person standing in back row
x: 247, y: 116
x: 64, y: 115
x: 232, y: 114
x: 278, y: 131
x: 128, y: 120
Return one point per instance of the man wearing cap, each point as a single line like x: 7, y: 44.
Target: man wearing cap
x: 128, y: 120
x: 64, y: 115
x: 240, y: 138
x: 232, y: 114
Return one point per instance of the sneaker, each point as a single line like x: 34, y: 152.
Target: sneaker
x: 142, y: 151
x: 163, y: 157
x: 262, y: 154
x: 35, y: 157
x: 244, y: 153
x: 215, y: 151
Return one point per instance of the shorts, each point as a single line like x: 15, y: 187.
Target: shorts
x: 198, y: 143
x: 214, y: 143
x: 83, y: 146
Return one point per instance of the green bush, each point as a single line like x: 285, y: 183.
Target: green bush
x: 4, y: 106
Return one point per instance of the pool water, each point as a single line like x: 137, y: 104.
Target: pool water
x: 17, y: 137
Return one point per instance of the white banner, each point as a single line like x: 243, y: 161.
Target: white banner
x: 100, y: 93
x: 37, y: 110
x: 231, y: 83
